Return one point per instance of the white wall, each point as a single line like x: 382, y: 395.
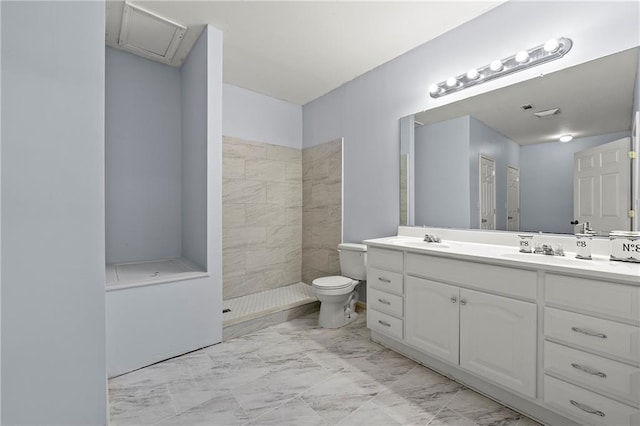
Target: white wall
x: 52, y: 186
x: 366, y: 110
x: 193, y: 79
x: 143, y: 159
x: 256, y: 117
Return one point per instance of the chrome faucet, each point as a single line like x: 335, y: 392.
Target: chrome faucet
x: 583, y: 228
x: 432, y: 238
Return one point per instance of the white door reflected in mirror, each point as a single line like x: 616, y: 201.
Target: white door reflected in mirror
x: 601, y: 186
x: 487, y: 193
x: 513, y: 199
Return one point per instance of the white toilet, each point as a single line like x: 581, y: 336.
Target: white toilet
x: 337, y: 294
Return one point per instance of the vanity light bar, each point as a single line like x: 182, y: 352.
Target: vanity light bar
x: 549, y: 51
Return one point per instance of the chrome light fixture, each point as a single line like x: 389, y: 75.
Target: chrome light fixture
x: 549, y: 51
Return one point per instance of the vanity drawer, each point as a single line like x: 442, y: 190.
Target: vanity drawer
x: 385, y: 324
x: 385, y: 302
x: 604, y: 336
x: 384, y: 280
x: 385, y: 259
x: 615, y: 378
x: 507, y: 281
x: 590, y: 408
x: 599, y: 297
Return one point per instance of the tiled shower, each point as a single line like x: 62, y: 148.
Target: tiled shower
x: 282, y: 222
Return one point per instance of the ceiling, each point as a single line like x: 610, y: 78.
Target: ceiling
x: 594, y: 98
x: 300, y: 50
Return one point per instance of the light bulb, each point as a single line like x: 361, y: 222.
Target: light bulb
x: 433, y: 89
x: 452, y: 82
x: 473, y: 74
x: 566, y: 138
x: 551, y: 45
x: 496, y: 65
x: 522, y: 57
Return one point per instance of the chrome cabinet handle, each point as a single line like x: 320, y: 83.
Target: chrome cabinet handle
x: 586, y: 408
x: 589, y: 332
x: 384, y: 280
x: 386, y: 324
x: 453, y: 299
x: 588, y: 370
x: 384, y: 302
x: 463, y: 302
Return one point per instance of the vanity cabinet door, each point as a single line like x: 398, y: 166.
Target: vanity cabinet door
x: 498, y: 340
x: 432, y: 318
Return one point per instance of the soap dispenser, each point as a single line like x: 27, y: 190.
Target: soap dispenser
x: 583, y: 246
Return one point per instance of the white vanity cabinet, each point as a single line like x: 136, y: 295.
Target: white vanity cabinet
x: 491, y: 336
x: 385, y: 289
x: 555, y: 338
x: 592, y: 349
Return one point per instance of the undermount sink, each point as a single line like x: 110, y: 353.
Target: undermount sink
x: 423, y: 244
x: 416, y: 242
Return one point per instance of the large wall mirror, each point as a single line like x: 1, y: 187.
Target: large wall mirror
x: 494, y: 161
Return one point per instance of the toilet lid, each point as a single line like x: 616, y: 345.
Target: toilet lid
x: 332, y: 282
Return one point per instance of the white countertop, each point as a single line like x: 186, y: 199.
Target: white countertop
x: 599, y: 267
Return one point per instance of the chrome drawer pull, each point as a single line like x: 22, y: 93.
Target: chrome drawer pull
x: 384, y: 302
x: 386, y: 324
x: 384, y: 280
x: 586, y: 408
x: 453, y: 299
x: 588, y: 370
x: 589, y: 332
x: 463, y: 302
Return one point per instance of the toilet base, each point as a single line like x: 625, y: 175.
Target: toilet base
x: 332, y: 315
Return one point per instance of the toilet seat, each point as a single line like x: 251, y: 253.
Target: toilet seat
x: 335, y: 282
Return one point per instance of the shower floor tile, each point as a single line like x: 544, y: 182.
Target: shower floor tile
x: 259, y: 304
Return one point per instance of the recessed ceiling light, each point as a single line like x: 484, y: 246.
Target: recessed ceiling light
x: 547, y: 113
x: 566, y: 138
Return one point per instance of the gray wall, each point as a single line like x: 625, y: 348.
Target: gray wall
x: 546, y: 183
x: 193, y: 80
x: 256, y: 117
x: 365, y: 111
x: 143, y: 159
x: 505, y: 152
x: 442, y: 174
x: 53, y: 303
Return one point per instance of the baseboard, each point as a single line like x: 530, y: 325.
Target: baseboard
x: 361, y: 306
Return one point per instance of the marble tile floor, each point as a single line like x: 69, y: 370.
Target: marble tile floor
x: 296, y: 373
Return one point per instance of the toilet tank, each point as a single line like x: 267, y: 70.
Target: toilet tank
x: 353, y: 260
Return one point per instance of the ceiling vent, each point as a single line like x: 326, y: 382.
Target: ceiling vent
x: 148, y: 34
x: 547, y: 113
x: 526, y: 107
